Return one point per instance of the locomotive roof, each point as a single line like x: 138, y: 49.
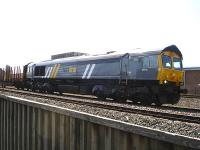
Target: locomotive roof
x: 81, y: 59
x: 108, y: 56
x: 95, y: 57
x: 172, y: 48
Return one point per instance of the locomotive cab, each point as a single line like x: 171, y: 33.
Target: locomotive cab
x: 170, y: 74
x: 170, y: 69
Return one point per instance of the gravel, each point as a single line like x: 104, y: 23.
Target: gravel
x: 177, y: 127
x: 189, y: 102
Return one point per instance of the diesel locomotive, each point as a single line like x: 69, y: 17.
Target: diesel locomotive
x: 145, y: 77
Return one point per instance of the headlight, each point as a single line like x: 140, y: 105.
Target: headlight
x: 165, y: 81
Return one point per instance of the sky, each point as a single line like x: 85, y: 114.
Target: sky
x: 32, y: 31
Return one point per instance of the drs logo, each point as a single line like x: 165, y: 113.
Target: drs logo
x: 72, y: 69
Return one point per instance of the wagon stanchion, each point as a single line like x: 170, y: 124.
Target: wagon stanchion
x: 17, y: 72
x: 10, y: 75
x: 21, y: 73
x: 4, y: 79
x: 11, y: 72
x: 1, y: 75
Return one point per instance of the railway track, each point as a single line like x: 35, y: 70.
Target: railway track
x: 171, y: 113
x: 94, y: 98
x: 190, y: 96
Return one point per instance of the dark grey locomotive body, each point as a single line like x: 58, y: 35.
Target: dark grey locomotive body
x: 118, y: 76
x: 119, y: 66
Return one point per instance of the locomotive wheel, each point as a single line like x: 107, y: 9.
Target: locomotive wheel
x: 157, y: 101
x: 48, y: 88
x: 147, y: 103
x: 99, y: 94
x: 119, y: 98
x: 33, y: 89
x: 146, y: 99
x: 174, y: 98
x: 59, y: 91
x: 98, y: 91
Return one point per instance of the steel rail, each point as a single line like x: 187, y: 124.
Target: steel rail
x: 94, y: 98
x: 190, y: 96
x: 164, y: 115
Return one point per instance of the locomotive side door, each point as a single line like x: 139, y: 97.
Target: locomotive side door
x: 149, y: 68
x: 124, y: 69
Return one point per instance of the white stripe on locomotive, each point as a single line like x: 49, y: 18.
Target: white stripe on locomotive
x: 86, y: 70
x: 46, y: 75
x: 91, y: 70
x: 50, y: 70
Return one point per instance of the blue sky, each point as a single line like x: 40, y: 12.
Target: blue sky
x: 33, y: 30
